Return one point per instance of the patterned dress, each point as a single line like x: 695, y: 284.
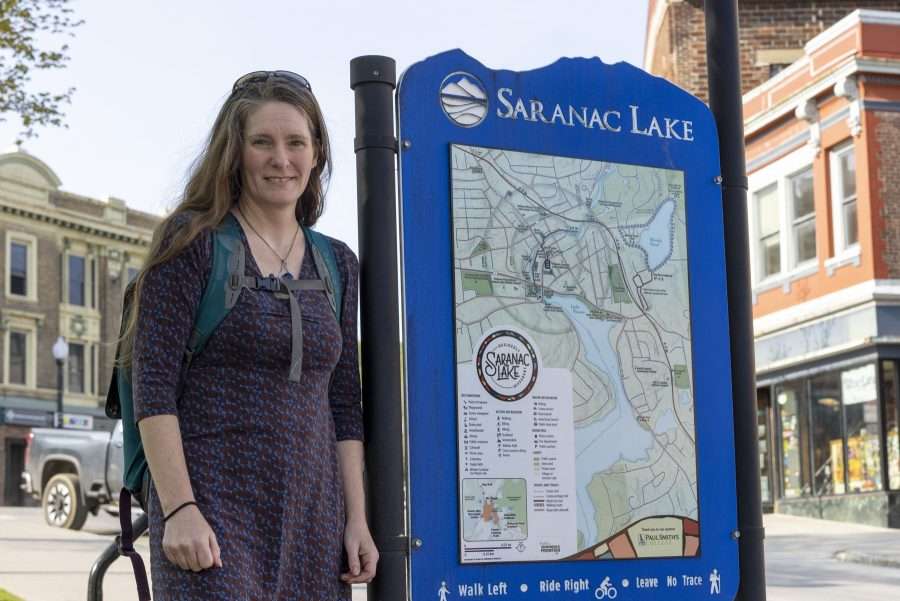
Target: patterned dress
x: 260, y: 450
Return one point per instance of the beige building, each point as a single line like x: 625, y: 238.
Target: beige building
x: 64, y: 261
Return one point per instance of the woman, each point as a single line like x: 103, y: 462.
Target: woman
x: 257, y: 487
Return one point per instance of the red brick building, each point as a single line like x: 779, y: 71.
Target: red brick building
x: 821, y: 85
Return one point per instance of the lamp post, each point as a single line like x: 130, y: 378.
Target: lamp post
x: 60, y: 353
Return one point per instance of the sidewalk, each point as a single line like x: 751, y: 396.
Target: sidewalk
x: 842, y: 541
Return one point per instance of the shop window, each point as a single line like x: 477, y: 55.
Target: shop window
x: 892, y: 440
x: 762, y: 438
x: 75, y: 370
x: 860, y: 396
x: 794, y: 437
x: 769, y: 228
x: 827, y: 435
x: 803, y: 216
x: 843, y: 197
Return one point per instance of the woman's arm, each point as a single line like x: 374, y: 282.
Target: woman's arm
x: 362, y: 556
x: 188, y: 540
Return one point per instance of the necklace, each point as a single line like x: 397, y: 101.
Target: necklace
x: 284, y: 267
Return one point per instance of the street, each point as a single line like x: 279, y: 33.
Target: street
x: 801, y: 564
x: 39, y: 563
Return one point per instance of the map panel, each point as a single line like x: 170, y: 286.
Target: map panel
x: 574, y: 361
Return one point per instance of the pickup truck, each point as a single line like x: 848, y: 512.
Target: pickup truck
x: 73, y: 472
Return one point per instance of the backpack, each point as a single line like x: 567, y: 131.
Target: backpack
x: 226, y: 281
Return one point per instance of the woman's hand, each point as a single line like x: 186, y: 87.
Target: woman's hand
x: 189, y: 542
x: 362, y: 556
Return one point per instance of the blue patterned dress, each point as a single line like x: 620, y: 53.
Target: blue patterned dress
x: 260, y: 450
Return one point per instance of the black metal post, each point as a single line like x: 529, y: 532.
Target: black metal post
x: 58, y: 418
x: 724, y: 68
x: 373, y: 79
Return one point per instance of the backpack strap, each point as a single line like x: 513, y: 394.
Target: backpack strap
x: 327, y: 268
x: 221, y: 291
x: 125, y: 543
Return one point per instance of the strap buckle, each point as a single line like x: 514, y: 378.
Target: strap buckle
x: 270, y: 283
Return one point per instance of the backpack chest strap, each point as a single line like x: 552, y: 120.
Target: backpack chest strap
x: 283, y: 287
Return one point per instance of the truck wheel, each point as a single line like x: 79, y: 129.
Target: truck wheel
x: 63, y: 504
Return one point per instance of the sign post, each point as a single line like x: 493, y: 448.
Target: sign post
x: 568, y: 362
x: 724, y: 68
x: 372, y: 79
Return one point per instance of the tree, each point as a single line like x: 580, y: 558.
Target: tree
x: 22, y: 22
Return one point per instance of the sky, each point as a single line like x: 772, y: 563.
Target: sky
x: 151, y: 76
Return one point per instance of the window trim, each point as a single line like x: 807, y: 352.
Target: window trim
x: 31, y: 243
x: 91, y: 290
x: 90, y: 372
x: 837, y: 201
x: 779, y: 173
x: 29, y: 328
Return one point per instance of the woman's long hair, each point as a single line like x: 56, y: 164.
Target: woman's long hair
x: 214, y: 184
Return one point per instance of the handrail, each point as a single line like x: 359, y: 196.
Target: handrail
x: 106, y: 559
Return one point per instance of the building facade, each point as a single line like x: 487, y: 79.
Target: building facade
x: 64, y: 261
x: 822, y: 130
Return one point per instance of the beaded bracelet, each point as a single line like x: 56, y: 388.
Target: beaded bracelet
x: 179, y: 508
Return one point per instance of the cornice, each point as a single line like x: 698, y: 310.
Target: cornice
x: 120, y: 233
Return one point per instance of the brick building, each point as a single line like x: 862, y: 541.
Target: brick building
x: 822, y: 128
x: 64, y: 262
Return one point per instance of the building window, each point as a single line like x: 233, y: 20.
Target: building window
x: 19, y: 353
x: 75, y: 371
x: 21, y: 266
x: 803, y: 215
x: 18, y: 269
x: 843, y: 197
x: 18, y: 358
x: 794, y: 438
x: 769, y: 228
x: 891, y: 435
x: 77, y: 282
x: 827, y: 435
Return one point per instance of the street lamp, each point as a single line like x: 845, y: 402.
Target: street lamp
x: 60, y: 353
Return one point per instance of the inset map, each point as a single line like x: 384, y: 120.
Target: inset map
x: 494, y: 509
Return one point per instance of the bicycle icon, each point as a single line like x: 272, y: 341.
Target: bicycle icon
x: 606, y: 590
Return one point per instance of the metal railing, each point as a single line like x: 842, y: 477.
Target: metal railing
x: 106, y: 559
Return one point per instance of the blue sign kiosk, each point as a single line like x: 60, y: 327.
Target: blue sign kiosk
x: 566, y: 328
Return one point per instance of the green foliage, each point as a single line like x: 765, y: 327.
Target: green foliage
x: 27, y: 30
x: 7, y: 596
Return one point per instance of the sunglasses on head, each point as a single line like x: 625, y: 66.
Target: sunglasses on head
x: 263, y: 76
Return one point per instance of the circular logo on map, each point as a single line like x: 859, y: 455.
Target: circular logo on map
x: 507, y: 365
x: 463, y: 99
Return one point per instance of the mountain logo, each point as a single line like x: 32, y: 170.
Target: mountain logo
x: 463, y: 99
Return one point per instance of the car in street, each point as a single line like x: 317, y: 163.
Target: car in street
x: 73, y: 472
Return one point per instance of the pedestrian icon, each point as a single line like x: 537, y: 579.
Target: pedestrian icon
x: 715, y: 582
x: 443, y: 591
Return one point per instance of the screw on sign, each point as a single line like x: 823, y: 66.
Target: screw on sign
x: 606, y: 590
